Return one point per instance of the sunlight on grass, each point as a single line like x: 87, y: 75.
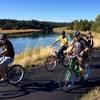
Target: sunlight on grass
x: 92, y: 95
x: 33, y: 57
x: 19, y: 31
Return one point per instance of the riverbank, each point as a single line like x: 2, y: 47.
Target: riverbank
x: 21, y: 32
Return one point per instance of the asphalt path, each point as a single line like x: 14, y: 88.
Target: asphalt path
x: 39, y: 84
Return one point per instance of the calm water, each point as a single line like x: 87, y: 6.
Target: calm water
x: 22, y: 43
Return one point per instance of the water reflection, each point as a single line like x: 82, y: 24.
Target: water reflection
x: 35, y: 40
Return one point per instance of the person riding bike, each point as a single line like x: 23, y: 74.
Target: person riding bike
x: 63, y: 46
x: 89, y: 39
x: 79, y: 48
x: 7, y: 54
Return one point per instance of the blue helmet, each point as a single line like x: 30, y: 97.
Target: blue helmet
x: 77, y: 33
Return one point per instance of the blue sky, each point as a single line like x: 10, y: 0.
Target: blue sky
x: 50, y: 10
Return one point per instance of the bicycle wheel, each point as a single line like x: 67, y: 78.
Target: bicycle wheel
x: 51, y: 63
x: 65, y: 60
x: 65, y: 80
x: 15, y: 74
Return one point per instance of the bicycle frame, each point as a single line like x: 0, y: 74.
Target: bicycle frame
x: 74, y: 66
x: 55, y: 51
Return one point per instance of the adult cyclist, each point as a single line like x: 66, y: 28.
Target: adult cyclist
x: 89, y: 39
x: 63, y: 46
x: 6, y: 55
x: 79, y: 48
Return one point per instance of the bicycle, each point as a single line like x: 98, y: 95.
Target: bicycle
x: 72, y: 74
x: 52, y: 60
x: 13, y: 74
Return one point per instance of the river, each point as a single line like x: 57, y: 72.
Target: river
x: 22, y: 43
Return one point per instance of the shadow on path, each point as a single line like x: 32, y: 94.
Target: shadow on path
x: 28, y: 86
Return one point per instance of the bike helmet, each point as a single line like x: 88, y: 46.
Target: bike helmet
x: 77, y: 33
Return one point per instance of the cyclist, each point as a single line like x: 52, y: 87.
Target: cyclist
x: 80, y: 49
x: 63, y: 46
x: 6, y: 55
x: 89, y: 39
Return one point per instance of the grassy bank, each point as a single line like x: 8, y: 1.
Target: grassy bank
x: 33, y: 57
x: 19, y: 32
x: 92, y: 95
x: 59, y: 30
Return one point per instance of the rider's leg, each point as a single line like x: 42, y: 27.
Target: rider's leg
x: 1, y: 69
x: 60, y: 52
x: 81, y: 67
x: 3, y: 64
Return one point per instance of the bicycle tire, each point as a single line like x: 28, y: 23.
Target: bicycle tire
x: 51, y: 63
x: 65, y: 80
x: 15, y: 74
x: 65, y: 60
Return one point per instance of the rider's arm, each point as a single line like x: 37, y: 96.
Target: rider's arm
x: 85, y: 50
x: 4, y: 52
x: 92, y: 40
x: 55, y: 41
x: 72, y: 47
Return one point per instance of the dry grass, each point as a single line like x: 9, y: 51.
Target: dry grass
x: 92, y: 95
x: 19, y: 31
x: 33, y: 57
x: 59, y: 30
